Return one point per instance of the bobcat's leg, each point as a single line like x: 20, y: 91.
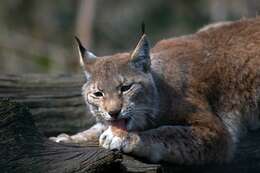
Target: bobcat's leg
x: 184, y: 145
x: 91, y: 134
x: 204, y: 140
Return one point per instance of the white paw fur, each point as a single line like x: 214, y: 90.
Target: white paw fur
x: 125, y: 143
x: 61, y: 138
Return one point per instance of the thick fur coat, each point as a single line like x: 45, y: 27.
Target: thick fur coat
x: 188, y: 100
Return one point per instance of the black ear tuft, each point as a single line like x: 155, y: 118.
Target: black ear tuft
x: 141, y: 55
x: 81, y: 48
x: 86, y: 56
x: 143, y: 28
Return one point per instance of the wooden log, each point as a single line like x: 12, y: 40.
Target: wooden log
x: 24, y: 149
x: 54, y: 101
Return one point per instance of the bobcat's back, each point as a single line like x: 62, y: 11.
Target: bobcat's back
x: 221, y: 65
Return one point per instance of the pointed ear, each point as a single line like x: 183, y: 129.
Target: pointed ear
x: 86, y: 57
x: 140, y: 57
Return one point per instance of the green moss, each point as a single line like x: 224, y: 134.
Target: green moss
x: 43, y: 62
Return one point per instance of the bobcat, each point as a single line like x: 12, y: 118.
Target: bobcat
x: 188, y: 100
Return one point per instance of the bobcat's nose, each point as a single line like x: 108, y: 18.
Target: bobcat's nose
x: 114, y: 113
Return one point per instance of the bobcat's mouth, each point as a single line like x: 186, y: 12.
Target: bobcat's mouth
x: 120, y: 123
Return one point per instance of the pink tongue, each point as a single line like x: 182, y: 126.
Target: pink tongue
x: 121, y: 124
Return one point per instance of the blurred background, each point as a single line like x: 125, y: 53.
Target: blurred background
x: 37, y: 36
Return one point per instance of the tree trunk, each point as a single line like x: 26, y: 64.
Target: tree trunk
x: 84, y: 23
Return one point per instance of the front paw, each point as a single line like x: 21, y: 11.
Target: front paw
x: 61, y: 138
x: 118, y: 139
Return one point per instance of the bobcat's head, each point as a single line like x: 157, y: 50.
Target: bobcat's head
x: 120, y: 89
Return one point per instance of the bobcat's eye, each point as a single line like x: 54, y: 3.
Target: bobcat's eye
x: 125, y: 88
x: 98, y: 94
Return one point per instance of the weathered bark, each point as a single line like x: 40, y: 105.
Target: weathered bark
x: 54, y: 101
x: 24, y: 149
